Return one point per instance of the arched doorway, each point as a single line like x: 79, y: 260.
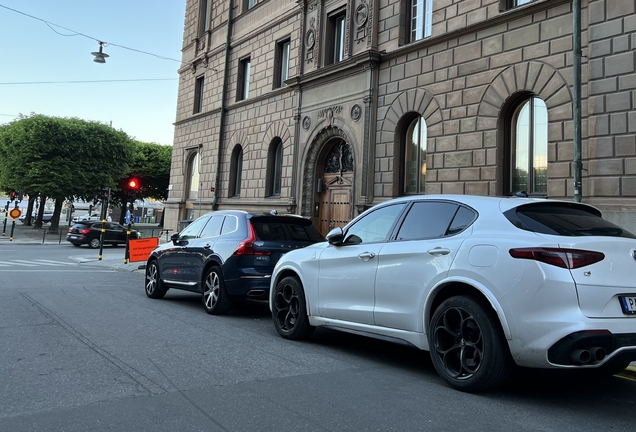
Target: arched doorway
x: 336, y: 185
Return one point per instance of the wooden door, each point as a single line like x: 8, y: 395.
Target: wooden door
x: 335, y: 202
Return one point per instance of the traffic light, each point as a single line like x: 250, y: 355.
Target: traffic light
x: 105, y: 193
x: 133, y: 187
x: 13, y: 195
x: 20, y: 196
x: 133, y: 184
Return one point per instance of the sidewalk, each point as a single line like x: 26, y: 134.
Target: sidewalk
x: 27, y: 235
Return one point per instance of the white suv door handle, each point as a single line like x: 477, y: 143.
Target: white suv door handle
x: 366, y: 256
x: 439, y: 251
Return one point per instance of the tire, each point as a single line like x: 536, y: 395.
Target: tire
x: 153, y: 286
x: 215, y: 298
x: 289, y: 310
x: 94, y: 243
x: 467, y: 345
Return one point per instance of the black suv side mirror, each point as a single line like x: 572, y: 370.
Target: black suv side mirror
x: 174, y: 238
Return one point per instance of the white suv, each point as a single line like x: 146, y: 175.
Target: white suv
x: 480, y: 282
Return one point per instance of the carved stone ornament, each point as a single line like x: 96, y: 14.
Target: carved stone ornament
x: 356, y: 112
x: 310, y: 39
x: 361, y: 15
x: 306, y: 123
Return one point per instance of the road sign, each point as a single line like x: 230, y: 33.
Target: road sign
x: 140, y: 249
x: 15, y: 213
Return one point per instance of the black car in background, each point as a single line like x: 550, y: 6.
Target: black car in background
x: 88, y: 232
x: 226, y: 255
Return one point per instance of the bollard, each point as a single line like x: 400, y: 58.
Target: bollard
x: 43, y: 235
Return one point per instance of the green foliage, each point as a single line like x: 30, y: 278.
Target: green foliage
x: 62, y: 157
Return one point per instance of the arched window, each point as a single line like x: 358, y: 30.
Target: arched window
x: 529, y: 147
x: 414, y: 156
x: 193, y: 179
x: 274, y: 168
x: 236, y: 170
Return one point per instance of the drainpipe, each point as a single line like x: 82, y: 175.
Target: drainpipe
x: 296, y: 145
x: 578, y: 165
x: 226, y: 72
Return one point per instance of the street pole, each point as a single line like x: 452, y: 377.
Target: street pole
x: 104, y: 215
x: 6, y: 216
x: 127, y: 254
x: 576, y: 93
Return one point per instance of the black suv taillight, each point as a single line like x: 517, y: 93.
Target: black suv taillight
x: 246, y: 247
x: 560, y: 257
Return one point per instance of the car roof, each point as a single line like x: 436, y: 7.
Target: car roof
x: 504, y: 203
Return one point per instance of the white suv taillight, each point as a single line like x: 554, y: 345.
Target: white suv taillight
x: 560, y: 257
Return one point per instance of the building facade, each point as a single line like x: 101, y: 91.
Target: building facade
x: 326, y: 107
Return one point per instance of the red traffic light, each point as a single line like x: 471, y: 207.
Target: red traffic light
x: 133, y: 184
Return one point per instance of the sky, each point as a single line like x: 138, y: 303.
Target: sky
x: 142, y: 102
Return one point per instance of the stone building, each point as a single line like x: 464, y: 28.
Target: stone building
x: 326, y: 107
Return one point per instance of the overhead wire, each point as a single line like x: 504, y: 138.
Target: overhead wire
x: 76, y: 33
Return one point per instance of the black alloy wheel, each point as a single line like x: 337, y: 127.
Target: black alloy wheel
x: 289, y: 310
x: 467, y: 345
x: 154, y: 287
x: 215, y: 299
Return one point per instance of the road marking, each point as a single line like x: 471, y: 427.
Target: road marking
x: 9, y: 263
x: 35, y: 263
x: 54, y: 262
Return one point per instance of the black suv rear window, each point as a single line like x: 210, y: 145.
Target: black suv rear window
x: 564, y: 219
x: 285, y: 229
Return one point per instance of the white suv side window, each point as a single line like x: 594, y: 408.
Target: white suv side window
x: 375, y: 226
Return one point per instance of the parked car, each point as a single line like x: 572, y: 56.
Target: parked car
x: 480, y: 282
x: 226, y: 255
x: 46, y: 216
x: 89, y: 232
x: 92, y: 216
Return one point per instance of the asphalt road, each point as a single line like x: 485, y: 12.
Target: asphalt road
x: 82, y: 348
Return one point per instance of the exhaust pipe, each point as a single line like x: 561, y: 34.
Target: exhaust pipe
x: 580, y: 356
x: 597, y: 353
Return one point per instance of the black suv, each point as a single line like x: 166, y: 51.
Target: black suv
x: 226, y: 255
x: 88, y: 232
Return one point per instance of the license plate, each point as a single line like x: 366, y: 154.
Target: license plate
x: 628, y: 304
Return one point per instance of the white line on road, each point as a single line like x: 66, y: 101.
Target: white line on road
x: 54, y: 262
x: 5, y: 263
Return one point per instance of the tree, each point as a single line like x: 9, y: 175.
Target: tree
x: 151, y: 167
x: 62, y: 158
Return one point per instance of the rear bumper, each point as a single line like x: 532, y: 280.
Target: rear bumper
x: 78, y: 239
x: 593, y: 349
x: 249, y: 285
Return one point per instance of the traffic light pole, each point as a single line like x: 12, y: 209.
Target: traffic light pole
x: 6, y: 216
x: 104, y: 215
x: 127, y: 255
